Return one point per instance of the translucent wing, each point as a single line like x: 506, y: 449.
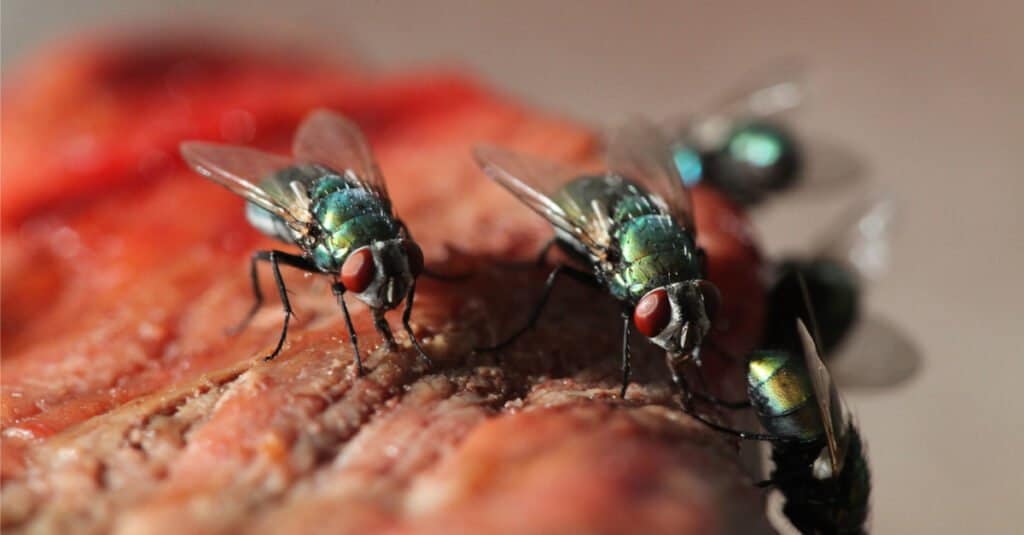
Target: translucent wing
x: 537, y: 182
x: 329, y: 139
x: 775, y: 90
x: 251, y: 174
x: 828, y: 165
x: 877, y: 354
x: 823, y: 391
x: 764, y: 94
x: 639, y: 151
x: 862, y: 238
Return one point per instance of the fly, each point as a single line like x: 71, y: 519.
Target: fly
x: 630, y: 232
x: 330, y: 201
x: 743, y: 147
x: 820, y: 463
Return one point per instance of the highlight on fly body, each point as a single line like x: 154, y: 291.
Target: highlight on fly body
x: 329, y: 200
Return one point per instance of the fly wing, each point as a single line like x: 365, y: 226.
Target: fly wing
x: 537, y: 183
x: 764, y: 95
x: 862, y: 238
x: 777, y: 90
x: 329, y: 139
x: 251, y: 174
x: 824, y: 391
x: 639, y: 151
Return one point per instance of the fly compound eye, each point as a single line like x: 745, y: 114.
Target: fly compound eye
x: 414, y: 255
x: 653, y: 313
x: 357, y: 272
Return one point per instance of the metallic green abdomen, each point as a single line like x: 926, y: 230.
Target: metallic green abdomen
x: 350, y: 218
x: 782, y: 395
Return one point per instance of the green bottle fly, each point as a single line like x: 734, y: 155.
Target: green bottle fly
x: 331, y: 202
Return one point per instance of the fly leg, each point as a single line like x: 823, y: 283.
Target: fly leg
x: 685, y: 395
x: 549, y: 285
x: 542, y: 256
x: 257, y: 293
x: 384, y: 329
x: 745, y: 435
x: 703, y: 395
x: 444, y: 277
x: 275, y: 258
x: 339, y: 293
x: 625, y: 355
x: 406, y: 314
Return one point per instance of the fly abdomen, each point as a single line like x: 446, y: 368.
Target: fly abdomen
x: 854, y: 488
x: 782, y: 396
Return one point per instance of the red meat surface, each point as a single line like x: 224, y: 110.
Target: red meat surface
x: 127, y: 408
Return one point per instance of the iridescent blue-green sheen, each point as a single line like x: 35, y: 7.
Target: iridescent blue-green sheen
x: 655, y: 250
x: 781, y: 393
x: 689, y: 164
x: 758, y: 145
x: 351, y: 217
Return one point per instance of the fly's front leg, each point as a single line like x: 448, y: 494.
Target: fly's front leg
x: 406, y: 315
x: 626, y: 367
x: 339, y: 293
x: 383, y: 328
x: 685, y: 394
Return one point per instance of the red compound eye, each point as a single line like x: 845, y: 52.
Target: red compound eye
x: 357, y: 272
x: 414, y: 255
x: 653, y: 313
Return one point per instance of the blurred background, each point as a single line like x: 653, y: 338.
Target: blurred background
x: 927, y: 95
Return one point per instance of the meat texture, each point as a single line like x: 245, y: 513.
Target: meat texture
x: 126, y: 408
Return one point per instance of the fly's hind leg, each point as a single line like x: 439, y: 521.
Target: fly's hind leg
x: 381, y: 324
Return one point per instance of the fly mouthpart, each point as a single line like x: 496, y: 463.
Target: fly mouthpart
x: 390, y: 293
x: 687, y: 338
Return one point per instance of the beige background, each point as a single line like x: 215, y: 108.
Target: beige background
x: 929, y: 95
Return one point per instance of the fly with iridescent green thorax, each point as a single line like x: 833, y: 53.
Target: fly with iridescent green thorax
x: 631, y: 229
x: 739, y: 145
x: 331, y: 202
x: 820, y: 463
